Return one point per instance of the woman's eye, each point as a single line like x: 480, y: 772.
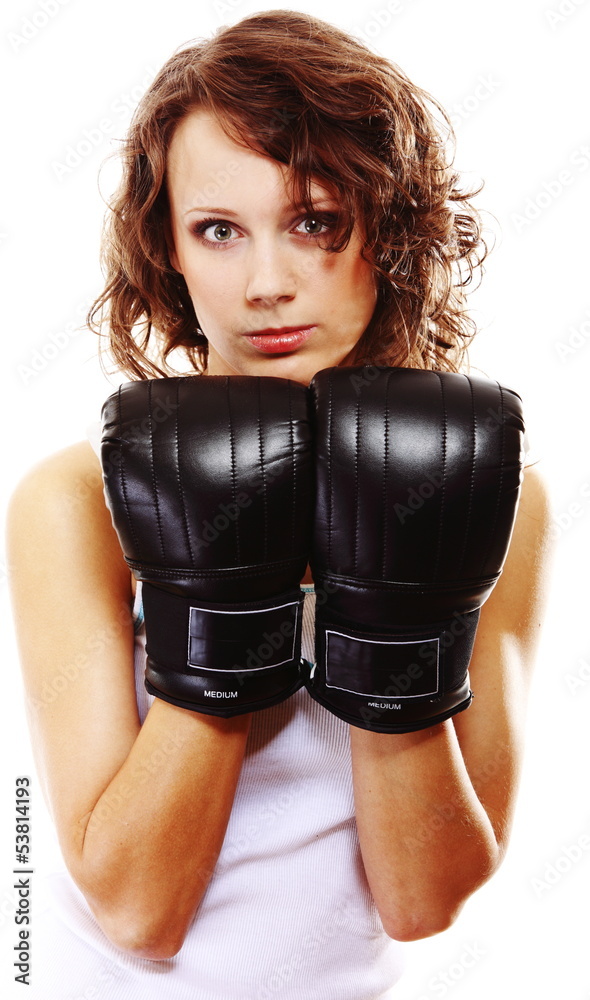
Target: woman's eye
x: 313, y: 225
x: 213, y: 232
x: 221, y: 232
x: 216, y: 231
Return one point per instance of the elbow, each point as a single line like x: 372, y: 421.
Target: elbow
x: 417, y: 924
x: 139, y: 926
x: 142, y: 937
x: 437, y: 909
x: 142, y: 944
x: 138, y: 916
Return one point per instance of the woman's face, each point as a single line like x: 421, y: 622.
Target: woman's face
x: 253, y: 262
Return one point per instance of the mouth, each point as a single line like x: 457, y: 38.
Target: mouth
x: 281, y: 340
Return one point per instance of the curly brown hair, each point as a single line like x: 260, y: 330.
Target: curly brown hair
x: 305, y: 93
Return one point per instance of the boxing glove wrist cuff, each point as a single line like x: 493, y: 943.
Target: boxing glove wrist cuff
x: 220, y: 659
x: 229, y: 582
x: 397, y: 680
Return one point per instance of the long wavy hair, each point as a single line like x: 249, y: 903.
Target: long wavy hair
x: 305, y: 93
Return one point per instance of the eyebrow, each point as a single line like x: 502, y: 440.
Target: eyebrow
x: 204, y: 208
x: 324, y: 199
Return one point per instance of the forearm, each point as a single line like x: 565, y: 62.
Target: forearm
x: 405, y: 785
x: 149, y: 846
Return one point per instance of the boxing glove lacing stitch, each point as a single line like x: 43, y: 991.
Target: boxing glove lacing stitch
x: 196, y: 574
x: 122, y: 467
x: 443, y: 472
x: 293, y: 467
x: 232, y: 447
x: 356, y: 485
x: 492, y: 529
x: 330, y: 453
x: 179, y: 476
x: 153, y: 469
x: 264, y: 490
x: 370, y: 583
x: 384, y: 562
x: 472, y: 474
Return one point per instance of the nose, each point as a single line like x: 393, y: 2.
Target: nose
x: 271, y: 275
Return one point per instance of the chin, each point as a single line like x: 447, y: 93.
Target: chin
x: 299, y: 368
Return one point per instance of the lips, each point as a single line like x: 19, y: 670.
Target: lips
x: 281, y: 340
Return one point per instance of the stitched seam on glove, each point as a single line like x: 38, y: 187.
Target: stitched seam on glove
x: 262, y: 472
x: 294, y: 468
x: 492, y: 529
x: 153, y: 471
x: 416, y: 587
x: 385, y: 468
x: 195, y: 574
x: 471, y: 476
x: 122, y: 472
x: 233, y: 473
x: 179, y: 475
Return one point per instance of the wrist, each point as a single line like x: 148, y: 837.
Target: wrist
x: 185, y: 722
x: 387, y: 745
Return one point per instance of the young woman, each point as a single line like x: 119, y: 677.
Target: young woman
x: 287, y: 206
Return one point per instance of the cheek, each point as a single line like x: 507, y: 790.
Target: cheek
x: 351, y: 272
x: 211, y: 283
x: 359, y: 287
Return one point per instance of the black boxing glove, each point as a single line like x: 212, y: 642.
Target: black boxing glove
x: 418, y: 479
x: 209, y: 484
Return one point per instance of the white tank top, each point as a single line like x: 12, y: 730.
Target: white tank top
x: 288, y: 912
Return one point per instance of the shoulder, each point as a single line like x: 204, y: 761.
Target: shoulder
x: 57, y: 516
x: 533, y: 518
x: 517, y: 603
x: 59, y: 475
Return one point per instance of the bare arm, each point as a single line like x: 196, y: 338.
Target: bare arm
x: 434, y: 808
x: 141, y: 811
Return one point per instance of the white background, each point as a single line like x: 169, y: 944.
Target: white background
x: 515, y: 77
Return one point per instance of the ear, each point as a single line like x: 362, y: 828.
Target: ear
x: 170, y: 244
